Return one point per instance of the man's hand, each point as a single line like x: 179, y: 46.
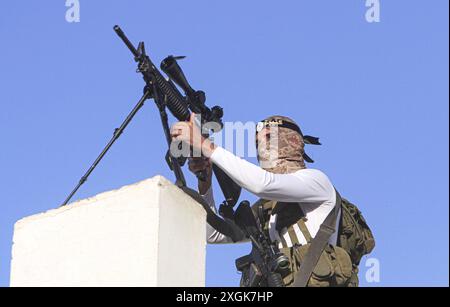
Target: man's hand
x: 200, y: 164
x: 190, y: 133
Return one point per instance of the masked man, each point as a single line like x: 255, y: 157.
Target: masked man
x: 281, y: 178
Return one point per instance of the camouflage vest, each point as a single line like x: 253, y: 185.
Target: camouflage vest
x: 338, y: 265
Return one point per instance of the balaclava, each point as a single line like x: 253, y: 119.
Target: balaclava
x: 283, y: 151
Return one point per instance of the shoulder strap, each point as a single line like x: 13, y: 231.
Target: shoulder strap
x: 304, y: 229
x: 318, y: 244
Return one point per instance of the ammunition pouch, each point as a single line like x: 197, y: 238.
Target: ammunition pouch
x: 333, y: 269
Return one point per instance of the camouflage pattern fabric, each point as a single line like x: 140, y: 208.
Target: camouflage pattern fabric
x: 282, y: 151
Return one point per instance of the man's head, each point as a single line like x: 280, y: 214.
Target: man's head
x: 281, y: 145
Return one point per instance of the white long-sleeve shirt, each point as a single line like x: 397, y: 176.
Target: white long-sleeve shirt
x: 309, y: 188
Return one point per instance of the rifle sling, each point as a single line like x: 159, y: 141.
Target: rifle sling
x: 224, y: 226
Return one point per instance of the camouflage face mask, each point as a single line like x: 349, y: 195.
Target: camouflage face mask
x: 281, y: 144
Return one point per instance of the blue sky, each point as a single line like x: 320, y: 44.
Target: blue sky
x: 376, y: 94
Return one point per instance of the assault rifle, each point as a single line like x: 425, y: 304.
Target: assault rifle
x: 165, y: 94
x: 265, y: 266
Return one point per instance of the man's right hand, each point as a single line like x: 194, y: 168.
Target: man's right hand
x: 200, y: 164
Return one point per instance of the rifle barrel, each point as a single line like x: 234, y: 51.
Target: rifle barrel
x: 125, y: 39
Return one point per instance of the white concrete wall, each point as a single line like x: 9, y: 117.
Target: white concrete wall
x: 146, y: 234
